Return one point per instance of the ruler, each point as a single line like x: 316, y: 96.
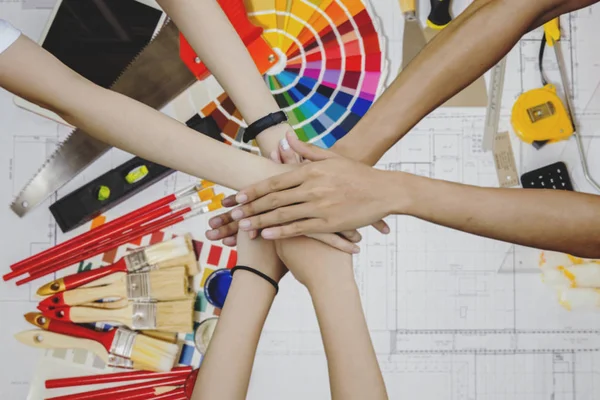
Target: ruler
x: 492, y: 115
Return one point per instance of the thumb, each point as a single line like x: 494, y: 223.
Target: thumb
x: 308, y: 151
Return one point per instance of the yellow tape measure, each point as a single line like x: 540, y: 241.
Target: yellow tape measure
x: 539, y: 115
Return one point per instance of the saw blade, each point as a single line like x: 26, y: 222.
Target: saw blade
x: 155, y: 77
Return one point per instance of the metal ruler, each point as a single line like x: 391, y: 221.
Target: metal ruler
x: 492, y: 115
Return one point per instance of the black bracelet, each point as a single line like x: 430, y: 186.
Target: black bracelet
x: 255, y: 128
x: 254, y: 271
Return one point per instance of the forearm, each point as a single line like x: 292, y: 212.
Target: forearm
x: 547, y: 219
x: 353, y: 369
x: 201, y: 21
x: 464, y: 50
x: 124, y: 123
x: 226, y: 368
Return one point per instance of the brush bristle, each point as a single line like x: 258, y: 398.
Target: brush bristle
x: 154, y: 354
x: 167, y: 250
x: 175, y: 316
x: 169, y: 284
x: 189, y: 260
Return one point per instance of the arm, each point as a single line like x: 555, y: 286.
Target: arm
x: 352, y: 374
x: 336, y: 193
x: 227, y: 366
x: 483, y: 34
x: 122, y: 122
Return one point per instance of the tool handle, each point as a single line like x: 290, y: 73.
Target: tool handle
x: 66, y: 328
x: 86, y: 315
x: 552, y: 31
x: 116, y: 377
x: 49, y: 340
x: 80, y: 296
x: 439, y: 16
x: 408, y: 6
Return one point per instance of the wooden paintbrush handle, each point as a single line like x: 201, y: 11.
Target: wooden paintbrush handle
x: 50, y: 340
x: 83, y: 315
x: 408, y: 6
x: 87, y: 295
x: 439, y: 16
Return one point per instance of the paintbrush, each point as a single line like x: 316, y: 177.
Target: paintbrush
x: 169, y: 316
x: 49, y: 340
x: 168, y: 254
x: 118, y: 377
x: 159, y: 285
x: 152, y: 354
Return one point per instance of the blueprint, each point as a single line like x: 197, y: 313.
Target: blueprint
x: 452, y: 316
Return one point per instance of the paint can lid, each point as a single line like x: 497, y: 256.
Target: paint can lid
x: 204, y: 333
x: 216, y: 287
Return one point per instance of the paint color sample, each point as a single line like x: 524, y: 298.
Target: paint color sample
x: 334, y: 67
x: 217, y: 286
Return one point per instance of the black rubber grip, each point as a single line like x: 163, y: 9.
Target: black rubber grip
x: 84, y: 204
x: 440, y: 13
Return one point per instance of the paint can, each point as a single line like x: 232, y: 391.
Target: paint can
x: 216, y: 287
x: 204, y: 333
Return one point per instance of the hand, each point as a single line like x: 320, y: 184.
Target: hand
x: 261, y: 255
x: 225, y: 227
x: 332, y: 194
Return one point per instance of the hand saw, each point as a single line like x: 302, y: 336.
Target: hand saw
x: 165, y: 68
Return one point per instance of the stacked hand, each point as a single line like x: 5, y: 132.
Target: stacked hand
x: 318, y: 199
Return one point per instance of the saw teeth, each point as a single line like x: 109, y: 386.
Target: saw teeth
x: 168, y: 40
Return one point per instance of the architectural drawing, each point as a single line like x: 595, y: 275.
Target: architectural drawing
x: 446, y: 324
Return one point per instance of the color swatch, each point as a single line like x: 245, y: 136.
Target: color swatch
x: 332, y: 67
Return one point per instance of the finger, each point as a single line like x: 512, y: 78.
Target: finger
x: 229, y: 201
x: 276, y: 217
x: 274, y: 156
x: 253, y: 234
x: 337, y: 242
x: 288, y: 156
x: 270, y: 202
x: 382, y: 227
x: 352, y: 236
x: 274, y: 184
x: 307, y: 150
x: 298, y: 228
x: 224, y: 231
x: 230, y: 241
x: 220, y: 220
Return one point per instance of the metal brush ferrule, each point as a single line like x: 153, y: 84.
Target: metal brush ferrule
x: 138, y: 286
x: 122, y: 344
x: 144, y: 315
x: 136, y: 261
x: 119, y: 362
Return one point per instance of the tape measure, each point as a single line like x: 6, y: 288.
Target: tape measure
x: 539, y: 115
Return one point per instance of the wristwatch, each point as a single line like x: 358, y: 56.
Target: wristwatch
x: 258, y: 126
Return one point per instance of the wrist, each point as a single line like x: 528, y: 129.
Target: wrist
x: 403, y: 192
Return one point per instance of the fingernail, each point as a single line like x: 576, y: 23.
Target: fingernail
x: 218, y: 221
x: 241, y: 198
x: 386, y: 230
x: 285, y: 145
x: 237, y: 214
x: 245, y: 224
x: 212, y: 234
x: 268, y: 234
x: 355, y: 250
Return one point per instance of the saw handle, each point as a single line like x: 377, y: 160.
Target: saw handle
x: 237, y: 15
x: 439, y: 16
